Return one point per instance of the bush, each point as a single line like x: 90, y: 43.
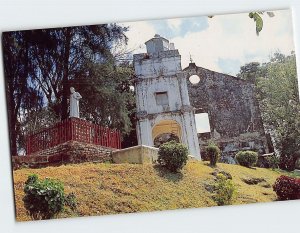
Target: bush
x: 70, y: 200
x: 44, y: 199
x: 213, y: 153
x: 172, y: 155
x: 227, y: 159
x: 273, y: 161
x: 246, y: 158
x: 287, y: 163
x: 225, y: 190
x: 287, y: 188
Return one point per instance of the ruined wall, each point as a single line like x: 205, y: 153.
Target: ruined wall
x: 232, y: 107
x: 68, y: 152
x: 162, y: 95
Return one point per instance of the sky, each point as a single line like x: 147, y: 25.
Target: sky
x: 222, y: 43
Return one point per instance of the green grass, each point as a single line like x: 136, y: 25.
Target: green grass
x: 294, y: 174
x: 125, y: 188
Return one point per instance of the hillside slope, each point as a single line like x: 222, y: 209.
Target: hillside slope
x: 125, y: 188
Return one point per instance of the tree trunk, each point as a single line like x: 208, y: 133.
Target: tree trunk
x: 65, y: 79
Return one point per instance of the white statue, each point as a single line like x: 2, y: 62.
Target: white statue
x: 74, y: 103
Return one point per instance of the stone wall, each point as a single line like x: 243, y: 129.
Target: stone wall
x: 69, y: 152
x: 233, y: 110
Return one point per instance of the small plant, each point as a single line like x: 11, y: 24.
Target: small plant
x: 287, y: 162
x: 227, y: 159
x: 213, y: 153
x: 70, y: 200
x: 172, y: 155
x: 246, y: 158
x: 225, y: 190
x: 273, y: 161
x: 287, y: 188
x: 44, y: 199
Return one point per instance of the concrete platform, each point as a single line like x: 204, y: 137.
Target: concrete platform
x: 137, y: 155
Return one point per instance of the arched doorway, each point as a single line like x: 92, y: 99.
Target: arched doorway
x: 164, y: 131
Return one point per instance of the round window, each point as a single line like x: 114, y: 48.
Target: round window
x: 194, y: 79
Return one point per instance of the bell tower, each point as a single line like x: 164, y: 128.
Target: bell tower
x: 162, y: 100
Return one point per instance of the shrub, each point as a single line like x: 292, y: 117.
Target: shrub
x: 225, y: 190
x: 213, y: 153
x: 287, y: 162
x: 44, y: 199
x: 172, y: 155
x: 70, y: 200
x: 246, y: 158
x: 227, y: 159
x: 273, y: 161
x: 287, y: 188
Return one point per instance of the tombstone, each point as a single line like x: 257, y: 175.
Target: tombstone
x: 163, y: 105
x: 74, y: 103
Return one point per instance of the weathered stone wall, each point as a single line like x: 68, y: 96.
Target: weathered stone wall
x: 69, y: 152
x: 233, y: 110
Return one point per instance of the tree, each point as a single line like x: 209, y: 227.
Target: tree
x: 250, y: 71
x: 41, y: 65
x: 19, y: 93
x: 279, y: 103
x: 61, y: 54
x: 107, y: 95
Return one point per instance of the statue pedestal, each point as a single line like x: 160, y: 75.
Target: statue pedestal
x: 72, y: 129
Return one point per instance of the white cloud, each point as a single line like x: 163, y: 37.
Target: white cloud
x: 234, y: 37
x: 139, y: 32
x: 227, y: 37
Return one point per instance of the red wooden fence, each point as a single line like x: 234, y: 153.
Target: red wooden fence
x: 73, y: 129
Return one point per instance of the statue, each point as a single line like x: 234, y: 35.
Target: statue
x: 74, y: 103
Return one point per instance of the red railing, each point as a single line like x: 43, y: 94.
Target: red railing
x: 73, y: 129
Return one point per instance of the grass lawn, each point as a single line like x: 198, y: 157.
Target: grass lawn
x: 125, y: 188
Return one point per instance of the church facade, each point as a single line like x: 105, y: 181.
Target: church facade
x: 167, y: 102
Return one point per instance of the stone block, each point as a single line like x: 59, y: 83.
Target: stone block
x: 136, y: 155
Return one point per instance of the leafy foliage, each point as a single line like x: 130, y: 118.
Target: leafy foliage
x: 173, y: 155
x: 251, y: 71
x: 273, y: 161
x: 165, y: 137
x: 279, y: 103
x: 257, y: 17
x: 21, y: 97
x: 246, y: 158
x: 258, y: 21
x: 71, y: 201
x: 287, y: 162
x: 213, y: 153
x: 225, y: 190
x: 41, y: 65
x: 108, y: 99
x: 287, y: 188
x: 44, y: 199
x: 278, y: 96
